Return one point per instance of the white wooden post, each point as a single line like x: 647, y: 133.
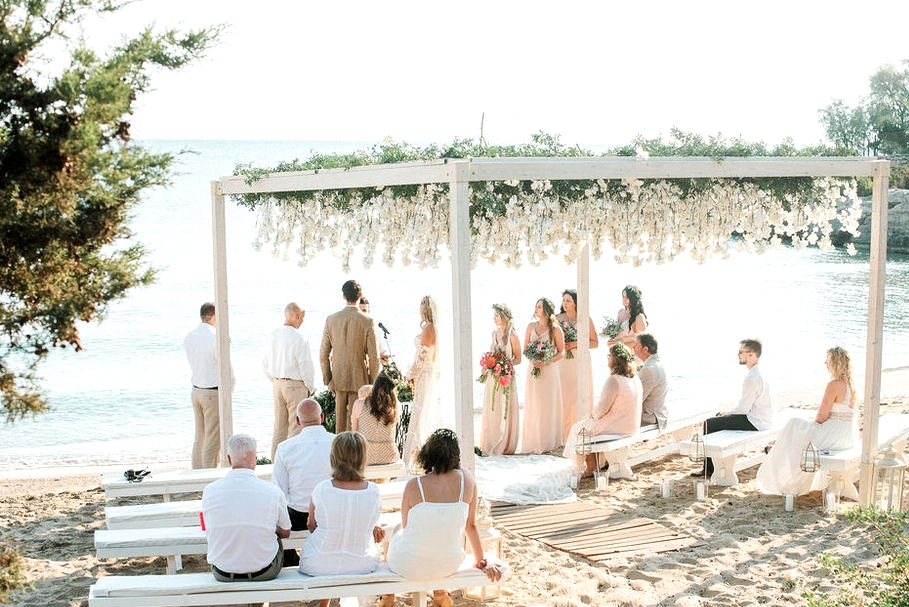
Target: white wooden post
x: 874, y: 352
x: 459, y: 238
x: 583, y: 352
x: 222, y: 317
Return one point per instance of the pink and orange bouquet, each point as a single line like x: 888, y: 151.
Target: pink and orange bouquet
x: 539, y: 352
x: 498, y: 365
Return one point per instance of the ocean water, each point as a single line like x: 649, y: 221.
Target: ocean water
x: 125, y: 398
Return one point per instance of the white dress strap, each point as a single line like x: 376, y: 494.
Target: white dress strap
x: 461, y: 494
x: 420, y: 485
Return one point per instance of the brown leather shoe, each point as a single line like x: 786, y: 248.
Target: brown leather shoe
x: 441, y: 598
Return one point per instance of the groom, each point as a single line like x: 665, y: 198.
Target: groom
x: 349, y: 354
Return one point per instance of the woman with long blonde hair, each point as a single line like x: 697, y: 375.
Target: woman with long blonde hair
x: 425, y: 375
x: 501, y: 425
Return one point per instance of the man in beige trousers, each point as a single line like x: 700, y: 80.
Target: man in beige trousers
x: 349, y: 355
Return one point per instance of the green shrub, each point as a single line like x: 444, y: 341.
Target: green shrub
x: 326, y: 400
x: 12, y: 571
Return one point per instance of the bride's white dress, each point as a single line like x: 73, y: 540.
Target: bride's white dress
x: 426, y: 409
x: 781, y: 473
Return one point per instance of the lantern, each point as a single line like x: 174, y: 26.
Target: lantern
x: 810, y: 462
x: 491, y: 540
x: 582, y: 445
x: 696, y: 452
x: 600, y: 477
x: 889, y: 472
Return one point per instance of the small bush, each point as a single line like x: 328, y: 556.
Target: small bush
x: 326, y: 400
x: 12, y: 571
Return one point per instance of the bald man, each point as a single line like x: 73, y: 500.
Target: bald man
x: 287, y: 362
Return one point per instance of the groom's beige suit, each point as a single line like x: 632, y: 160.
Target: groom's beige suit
x: 349, y: 357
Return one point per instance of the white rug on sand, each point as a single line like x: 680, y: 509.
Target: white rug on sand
x: 525, y: 479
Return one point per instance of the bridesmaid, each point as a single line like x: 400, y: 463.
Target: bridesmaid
x: 631, y: 317
x: 542, y: 431
x: 499, y: 434
x: 568, y: 366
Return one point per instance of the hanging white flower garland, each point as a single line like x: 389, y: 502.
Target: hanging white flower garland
x: 642, y: 222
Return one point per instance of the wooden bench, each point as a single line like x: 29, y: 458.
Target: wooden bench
x: 615, y: 448
x: 186, y: 513
x: 172, y: 482
x: 174, y: 542
x: 726, y: 446
x: 202, y: 589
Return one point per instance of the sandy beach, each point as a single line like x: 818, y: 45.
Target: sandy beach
x: 748, y: 550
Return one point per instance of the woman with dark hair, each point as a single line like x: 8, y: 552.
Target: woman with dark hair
x: 618, y: 412
x: 437, y: 510
x: 343, y: 513
x: 376, y: 418
x: 631, y: 317
x: 544, y: 345
x: 568, y: 366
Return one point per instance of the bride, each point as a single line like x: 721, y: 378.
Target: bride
x: 834, y: 427
x: 425, y: 373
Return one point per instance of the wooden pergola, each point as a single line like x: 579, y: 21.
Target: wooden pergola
x: 460, y: 173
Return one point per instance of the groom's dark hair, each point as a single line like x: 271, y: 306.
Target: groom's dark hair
x: 351, y: 290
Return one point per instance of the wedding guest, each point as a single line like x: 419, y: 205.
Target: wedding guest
x: 631, y: 317
x: 501, y: 424
x: 755, y: 408
x: 245, y: 519
x: 618, y: 412
x: 425, y: 373
x: 362, y: 393
x: 349, y: 354
x: 653, y: 380
x: 542, y: 431
x: 437, y: 510
x: 343, y: 515
x: 376, y: 418
x: 834, y: 427
x: 301, y: 462
x: 572, y: 407
x: 287, y: 363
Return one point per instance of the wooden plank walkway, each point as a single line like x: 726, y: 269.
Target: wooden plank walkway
x: 581, y: 529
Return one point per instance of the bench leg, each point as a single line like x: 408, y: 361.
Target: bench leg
x: 618, y: 464
x: 418, y: 599
x: 724, y: 471
x: 841, y: 485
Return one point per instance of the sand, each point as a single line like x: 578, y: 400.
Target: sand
x: 749, y: 550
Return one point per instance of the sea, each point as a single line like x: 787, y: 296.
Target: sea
x: 125, y: 399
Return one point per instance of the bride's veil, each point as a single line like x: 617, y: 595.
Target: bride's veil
x: 444, y: 366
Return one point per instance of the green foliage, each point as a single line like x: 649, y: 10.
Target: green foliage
x: 884, y: 583
x: 69, y: 179
x: 262, y: 461
x: 12, y: 571
x: 326, y: 400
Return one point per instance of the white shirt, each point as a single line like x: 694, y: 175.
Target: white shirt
x: 757, y: 401
x: 301, y: 463
x: 241, y: 514
x: 201, y: 350
x: 287, y: 356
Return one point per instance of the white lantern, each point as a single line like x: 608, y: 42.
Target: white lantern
x: 889, y: 472
x: 810, y: 461
x: 696, y: 452
x: 582, y: 445
x: 491, y: 540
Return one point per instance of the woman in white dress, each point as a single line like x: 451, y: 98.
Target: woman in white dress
x: 501, y: 425
x: 834, y: 428
x: 568, y: 366
x: 343, y: 513
x: 424, y: 373
x: 437, y: 510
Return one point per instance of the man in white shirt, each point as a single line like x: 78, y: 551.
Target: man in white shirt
x: 301, y: 462
x: 201, y: 350
x: 244, y: 518
x: 653, y: 380
x: 287, y: 362
x: 756, y: 406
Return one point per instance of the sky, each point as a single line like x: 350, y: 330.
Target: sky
x: 595, y: 73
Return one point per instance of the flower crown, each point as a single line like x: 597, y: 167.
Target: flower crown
x: 390, y: 371
x: 503, y: 310
x: 620, y: 350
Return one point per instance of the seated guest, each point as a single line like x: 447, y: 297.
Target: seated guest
x: 437, y: 510
x: 362, y: 393
x: 244, y: 519
x: 343, y: 515
x: 301, y: 462
x: 376, y: 419
x: 756, y: 406
x: 618, y: 411
x: 834, y: 427
x: 653, y: 381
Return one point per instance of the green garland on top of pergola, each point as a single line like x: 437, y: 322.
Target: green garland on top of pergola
x: 506, y: 208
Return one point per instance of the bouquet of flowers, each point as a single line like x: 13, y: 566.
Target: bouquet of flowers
x: 497, y: 365
x: 570, y: 330
x: 540, y: 352
x: 611, y: 328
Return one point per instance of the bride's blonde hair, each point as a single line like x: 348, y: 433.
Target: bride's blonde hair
x: 426, y: 311
x: 841, y: 366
